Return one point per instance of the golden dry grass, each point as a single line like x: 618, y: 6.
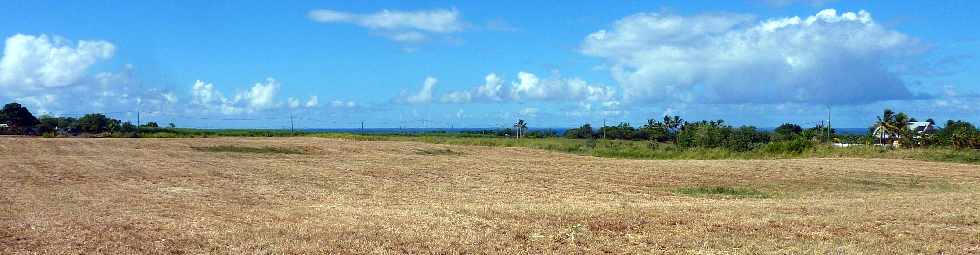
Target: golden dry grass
x: 116, y: 196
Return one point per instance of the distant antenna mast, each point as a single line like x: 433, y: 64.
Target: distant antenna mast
x: 829, y: 133
x: 603, y: 128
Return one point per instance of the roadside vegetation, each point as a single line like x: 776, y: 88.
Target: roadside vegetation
x: 671, y: 137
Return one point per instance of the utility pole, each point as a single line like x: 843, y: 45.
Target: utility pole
x: 362, y: 127
x: 139, y: 102
x: 291, y: 127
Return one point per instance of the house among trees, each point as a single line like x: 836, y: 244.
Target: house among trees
x: 917, y: 129
x: 921, y: 128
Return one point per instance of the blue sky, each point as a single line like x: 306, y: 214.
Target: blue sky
x: 485, y: 64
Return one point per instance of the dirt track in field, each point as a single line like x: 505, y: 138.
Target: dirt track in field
x: 165, y: 196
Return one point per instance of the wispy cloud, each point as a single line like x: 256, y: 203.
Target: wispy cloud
x: 399, y: 26
x: 782, y: 3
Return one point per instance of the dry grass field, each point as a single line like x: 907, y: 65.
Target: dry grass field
x: 317, y: 195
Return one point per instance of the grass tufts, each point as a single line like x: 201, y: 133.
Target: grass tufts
x: 722, y: 191
x: 245, y: 149
x: 437, y: 152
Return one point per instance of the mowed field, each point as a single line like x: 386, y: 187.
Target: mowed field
x: 318, y: 195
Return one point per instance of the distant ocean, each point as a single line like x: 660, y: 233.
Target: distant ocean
x: 852, y: 131
x: 842, y: 131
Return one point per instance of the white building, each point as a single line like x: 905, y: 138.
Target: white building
x: 918, y: 128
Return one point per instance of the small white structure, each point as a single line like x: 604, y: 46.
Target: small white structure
x: 4, y: 125
x: 846, y: 145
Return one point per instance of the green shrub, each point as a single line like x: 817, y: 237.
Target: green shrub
x: 722, y: 191
x: 244, y: 149
x: 437, y: 151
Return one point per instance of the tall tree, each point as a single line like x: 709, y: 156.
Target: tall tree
x: 886, y: 125
x: 901, y: 125
x: 96, y: 123
x: 17, y: 116
x: 672, y: 125
x: 787, y: 131
x: 521, y: 127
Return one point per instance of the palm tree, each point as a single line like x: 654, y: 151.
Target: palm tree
x: 651, y: 123
x: 885, y: 124
x: 521, y: 127
x: 894, y: 126
x: 901, y: 126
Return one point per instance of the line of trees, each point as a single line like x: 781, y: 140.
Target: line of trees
x: 717, y: 134
x: 702, y: 134
x: 16, y: 119
x: 889, y: 128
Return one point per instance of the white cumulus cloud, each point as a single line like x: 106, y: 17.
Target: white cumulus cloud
x: 423, y: 96
x: 529, y: 86
x: 205, y: 95
x: 296, y: 103
x: 37, y: 62
x: 490, y: 91
x: 259, y: 97
x: 50, y: 74
x: 312, y: 102
x: 830, y: 57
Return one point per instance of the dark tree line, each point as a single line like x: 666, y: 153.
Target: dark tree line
x: 701, y: 134
x: 19, y: 120
x: 717, y: 134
